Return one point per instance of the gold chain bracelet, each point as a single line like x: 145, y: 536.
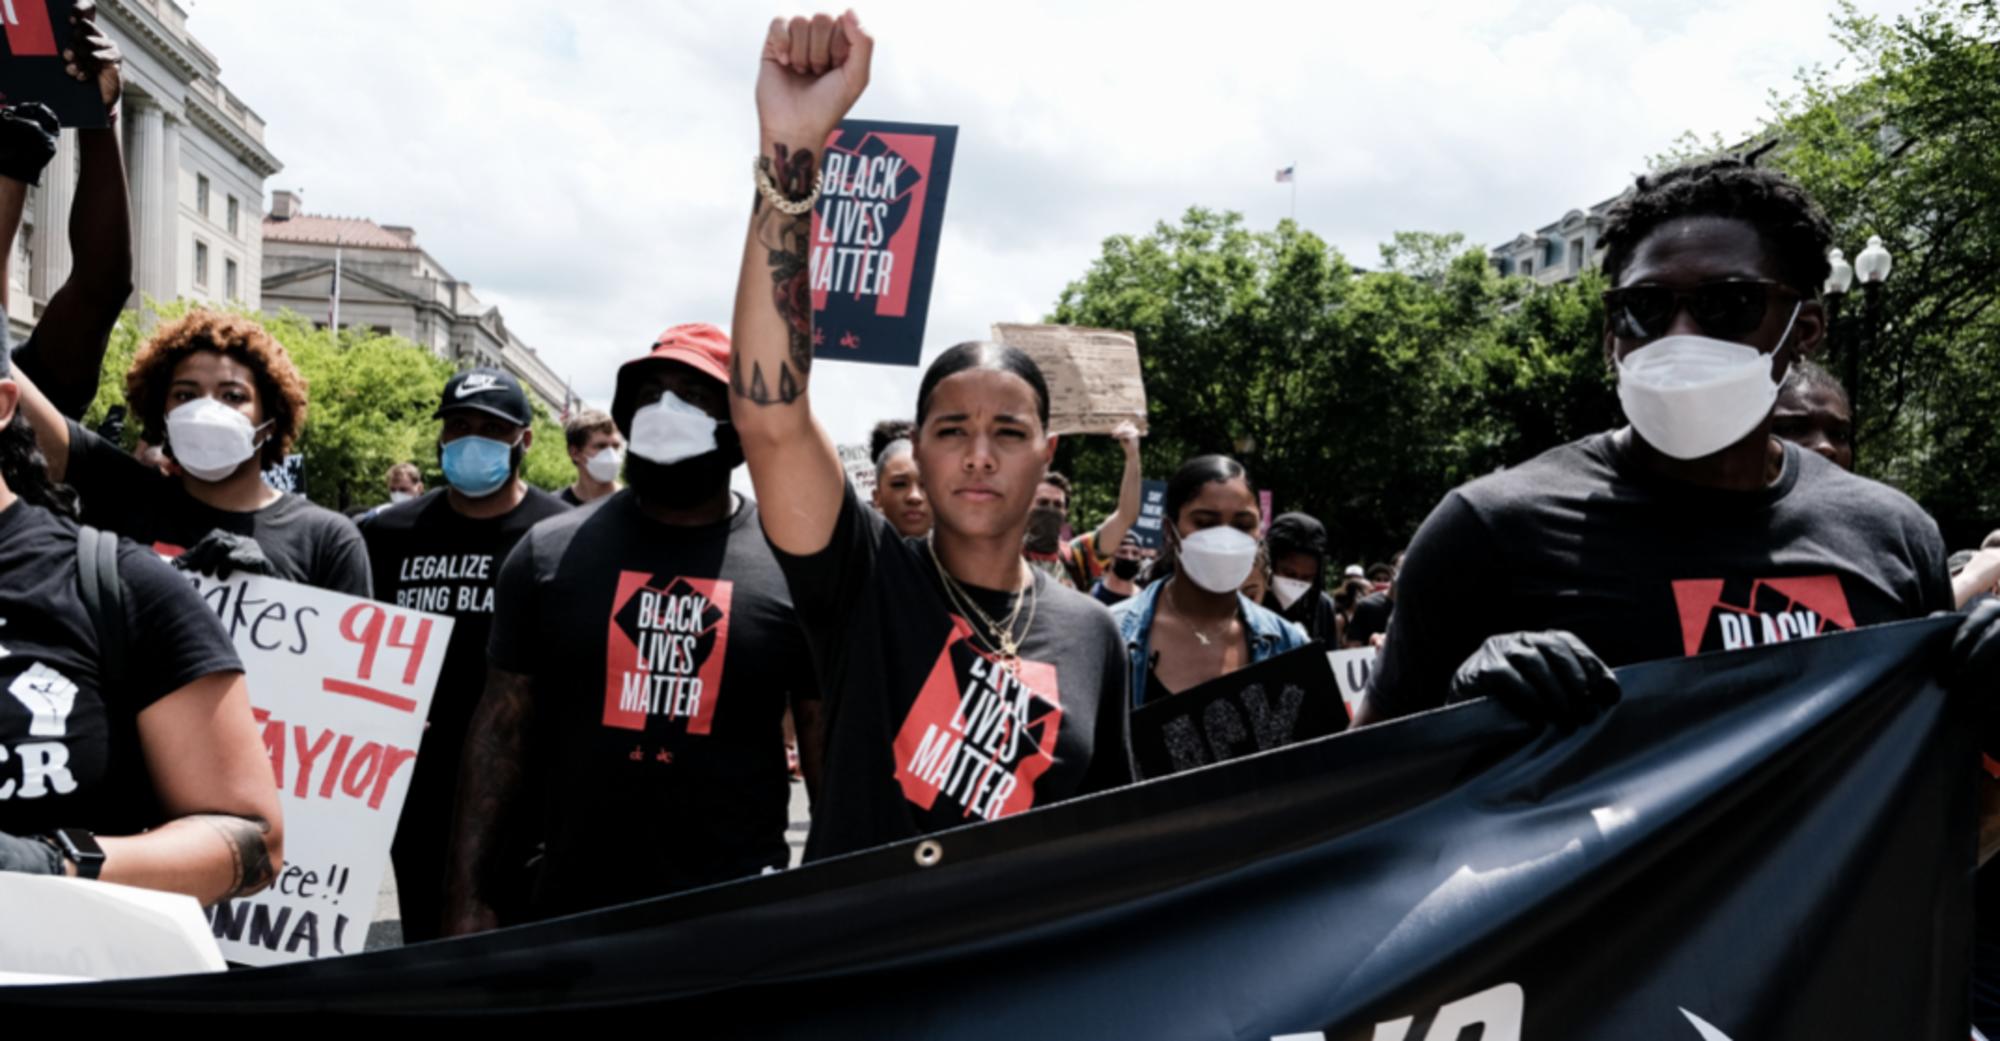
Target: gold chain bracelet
x: 770, y: 191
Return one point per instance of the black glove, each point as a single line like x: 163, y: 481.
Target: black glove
x: 1974, y: 661
x: 223, y: 554
x: 1548, y: 677
x: 27, y: 140
x: 29, y: 856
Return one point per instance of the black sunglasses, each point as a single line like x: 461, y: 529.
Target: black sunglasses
x: 1729, y: 309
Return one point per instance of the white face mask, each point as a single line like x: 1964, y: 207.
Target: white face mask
x: 401, y: 497
x: 1289, y: 589
x: 603, y: 467
x: 670, y: 430
x: 210, y: 439
x: 1218, y: 559
x: 1692, y: 396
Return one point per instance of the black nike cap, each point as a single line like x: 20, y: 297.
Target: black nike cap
x: 492, y: 391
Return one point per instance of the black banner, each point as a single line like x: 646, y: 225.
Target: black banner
x: 1769, y: 845
x: 1277, y: 702
x: 33, y: 36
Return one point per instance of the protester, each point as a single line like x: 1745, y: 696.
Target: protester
x: 128, y: 753
x: 911, y: 635
x: 442, y: 553
x: 406, y: 482
x: 1813, y: 412
x: 899, y: 494
x: 1297, y: 545
x: 64, y: 352
x: 1194, y: 624
x: 1352, y: 591
x: 649, y: 645
x: 597, y: 451
x: 225, y: 400
x: 1978, y: 574
x: 1258, y: 584
x: 1372, y: 612
x: 1692, y: 530
x: 1120, y: 579
x: 1079, y: 562
x: 887, y: 431
x: 1382, y: 576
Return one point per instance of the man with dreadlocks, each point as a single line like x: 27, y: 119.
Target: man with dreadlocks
x: 1693, y: 529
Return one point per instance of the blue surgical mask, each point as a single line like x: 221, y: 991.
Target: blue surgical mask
x: 478, y: 466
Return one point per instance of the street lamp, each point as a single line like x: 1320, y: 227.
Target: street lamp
x: 1872, y: 267
x: 1839, y: 279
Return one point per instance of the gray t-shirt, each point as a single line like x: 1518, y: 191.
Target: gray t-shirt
x: 1642, y: 568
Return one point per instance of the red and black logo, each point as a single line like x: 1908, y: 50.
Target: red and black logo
x: 1720, y: 614
x: 980, y: 733
x: 664, y: 650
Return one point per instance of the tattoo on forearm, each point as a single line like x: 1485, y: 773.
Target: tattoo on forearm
x: 249, y: 855
x: 787, y: 241
x: 495, y: 766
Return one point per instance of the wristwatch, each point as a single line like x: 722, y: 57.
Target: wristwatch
x: 81, y: 848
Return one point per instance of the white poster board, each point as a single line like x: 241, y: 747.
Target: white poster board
x: 1351, y: 669
x: 65, y: 929
x: 341, y: 687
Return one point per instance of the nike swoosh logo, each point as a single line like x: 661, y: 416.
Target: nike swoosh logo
x: 1708, y: 1032
x: 466, y: 391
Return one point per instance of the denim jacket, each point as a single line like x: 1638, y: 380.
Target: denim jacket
x: 1270, y: 634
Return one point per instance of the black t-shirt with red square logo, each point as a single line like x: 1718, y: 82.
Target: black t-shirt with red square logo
x: 662, y: 660
x: 925, y: 730
x: 1641, y: 568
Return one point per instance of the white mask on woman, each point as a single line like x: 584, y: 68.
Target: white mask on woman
x: 1218, y: 559
x: 209, y: 439
x: 1692, y: 396
x: 1289, y: 589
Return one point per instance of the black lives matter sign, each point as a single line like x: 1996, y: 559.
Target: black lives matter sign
x: 875, y: 238
x: 34, y: 34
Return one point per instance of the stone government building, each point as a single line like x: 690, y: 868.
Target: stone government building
x: 390, y: 284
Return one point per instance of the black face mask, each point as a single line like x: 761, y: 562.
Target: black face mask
x: 1044, y: 528
x: 690, y: 482
x: 1125, y: 568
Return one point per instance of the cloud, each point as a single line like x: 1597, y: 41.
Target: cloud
x: 585, y: 165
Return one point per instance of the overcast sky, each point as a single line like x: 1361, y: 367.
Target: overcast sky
x: 586, y: 165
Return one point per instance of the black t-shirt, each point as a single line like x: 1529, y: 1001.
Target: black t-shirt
x: 1642, y: 568
x: 1371, y: 616
x: 1103, y: 595
x: 304, y: 543
x: 569, y: 498
x: 925, y: 732
x: 662, y: 659
x: 427, y: 556
x: 72, y: 753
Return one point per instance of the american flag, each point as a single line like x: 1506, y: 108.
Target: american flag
x: 1285, y: 175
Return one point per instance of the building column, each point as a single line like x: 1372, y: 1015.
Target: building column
x: 169, y: 216
x: 52, y: 207
x: 146, y: 157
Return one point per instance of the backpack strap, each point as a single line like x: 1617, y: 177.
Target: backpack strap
x: 104, y: 599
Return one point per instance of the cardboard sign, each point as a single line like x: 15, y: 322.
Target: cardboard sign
x: 1149, y: 531
x: 1276, y: 702
x: 860, y: 470
x: 33, y: 35
x: 341, y: 687
x: 875, y: 239
x: 1351, y: 669
x: 1093, y: 375
x: 68, y: 929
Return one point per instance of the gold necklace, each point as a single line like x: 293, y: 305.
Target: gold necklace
x: 1009, y: 648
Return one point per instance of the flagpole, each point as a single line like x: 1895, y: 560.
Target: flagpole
x: 335, y: 318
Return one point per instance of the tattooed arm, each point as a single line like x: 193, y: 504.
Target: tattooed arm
x: 489, y: 788
x: 207, y: 761
x: 811, y: 73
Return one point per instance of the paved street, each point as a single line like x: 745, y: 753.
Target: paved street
x: 387, y: 928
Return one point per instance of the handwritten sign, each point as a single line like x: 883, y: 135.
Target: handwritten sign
x: 1351, y: 669
x: 1093, y: 375
x: 341, y: 687
x: 1276, y: 702
x: 860, y: 470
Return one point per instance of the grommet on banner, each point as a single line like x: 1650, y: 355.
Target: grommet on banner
x: 929, y: 853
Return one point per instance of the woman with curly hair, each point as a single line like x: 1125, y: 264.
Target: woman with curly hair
x: 225, y: 401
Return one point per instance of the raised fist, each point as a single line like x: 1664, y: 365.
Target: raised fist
x: 93, y: 57
x: 812, y: 72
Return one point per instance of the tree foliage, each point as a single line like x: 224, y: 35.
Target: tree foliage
x: 370, y: 403
x: 1360, y: 397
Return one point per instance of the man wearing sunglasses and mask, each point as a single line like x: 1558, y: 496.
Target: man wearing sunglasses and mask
x: 649, y: 645
x: 1694, y: 529
x: 441, y: 552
